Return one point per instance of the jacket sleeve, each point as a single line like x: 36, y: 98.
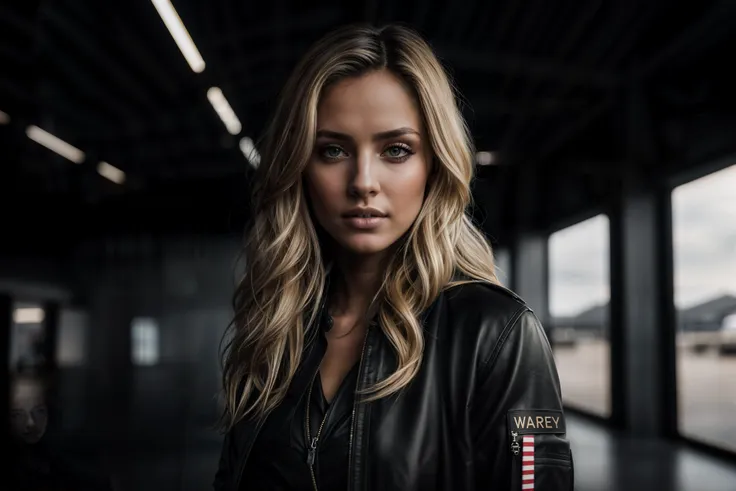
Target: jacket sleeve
x: 516, y: 415
x: 225, y: 472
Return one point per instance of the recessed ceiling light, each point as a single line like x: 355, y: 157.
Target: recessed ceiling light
x: 28, y: 315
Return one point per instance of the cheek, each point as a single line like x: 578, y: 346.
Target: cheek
x: 324, y: 192
x: 408, y: 191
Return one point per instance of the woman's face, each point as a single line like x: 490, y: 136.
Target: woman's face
x: 367, y: 176
x: 28, y: 412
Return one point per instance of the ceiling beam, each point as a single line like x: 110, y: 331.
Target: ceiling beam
x: 700, y: 35
x: 87, y: 56
x: 310, y: 20
x: 499, y: 63
x: 565, y: 132
x: 487, y: 105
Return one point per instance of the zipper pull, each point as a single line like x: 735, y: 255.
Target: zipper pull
x: 515, y: 447
x: 312, y: 452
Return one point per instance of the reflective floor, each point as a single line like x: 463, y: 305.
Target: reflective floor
x: 603, y: 462
x: 606, y: 462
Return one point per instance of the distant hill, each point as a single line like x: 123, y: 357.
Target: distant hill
x: 597, y: 315
x: 710, y: 310
x: 707, y: 315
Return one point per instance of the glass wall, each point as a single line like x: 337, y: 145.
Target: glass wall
x: 704, y: 234
x: 579, y: 295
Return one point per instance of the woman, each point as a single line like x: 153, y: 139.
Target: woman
x: 35, y: 463
x: 372, y: 348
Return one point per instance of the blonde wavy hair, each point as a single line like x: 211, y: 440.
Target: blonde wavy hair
x: 279, y: 297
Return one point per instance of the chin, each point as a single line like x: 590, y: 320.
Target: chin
x: 31, y: 439
x: 366, y: 244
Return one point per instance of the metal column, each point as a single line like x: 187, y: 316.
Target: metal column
x: 529, y: 271
x: 50, y: 335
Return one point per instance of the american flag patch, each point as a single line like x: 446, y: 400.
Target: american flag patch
x: 527, y: 462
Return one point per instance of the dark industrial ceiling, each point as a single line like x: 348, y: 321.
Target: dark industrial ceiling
x: 564, y: 92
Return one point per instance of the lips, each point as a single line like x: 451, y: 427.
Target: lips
x: 365, y: 220
x: 365, y: 213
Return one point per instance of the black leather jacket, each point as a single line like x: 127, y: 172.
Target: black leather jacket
x: 484, y: 411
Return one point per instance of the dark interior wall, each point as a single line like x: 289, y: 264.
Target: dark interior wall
x: 31, y: 278
x: 106, y: 401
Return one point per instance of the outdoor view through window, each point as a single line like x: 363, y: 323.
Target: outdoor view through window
x: 579, y: 294
x: 704, y: 234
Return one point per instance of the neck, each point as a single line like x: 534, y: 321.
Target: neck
x: 357, y: 280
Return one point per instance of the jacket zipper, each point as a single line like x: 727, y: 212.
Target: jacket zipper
x: 254, y: 436
x: 355, y: 401
x: 313, y: 441
x: 515, y: 462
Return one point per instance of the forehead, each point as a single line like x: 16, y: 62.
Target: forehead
x: 375, y: 102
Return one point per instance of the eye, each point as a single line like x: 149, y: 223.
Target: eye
x: 398, y: 152
x: 331, y: 152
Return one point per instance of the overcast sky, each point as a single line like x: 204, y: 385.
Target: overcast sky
x: 704, y: 229
x: 578, y: 267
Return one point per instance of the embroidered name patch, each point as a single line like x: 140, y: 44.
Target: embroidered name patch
x: 535, y: 421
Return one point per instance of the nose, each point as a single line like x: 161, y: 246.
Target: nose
x: 30, y: 422
x: 364, y: 182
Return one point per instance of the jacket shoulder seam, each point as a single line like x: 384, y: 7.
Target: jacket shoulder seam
x: 496, y: 288
x: 505, y: 333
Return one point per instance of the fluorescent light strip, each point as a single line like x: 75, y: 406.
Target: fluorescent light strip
x: 180, y: 34
x: 485, y: 158
x: 28, y: 315
x: 111, y: 172
x: 55, y: 144
x: 4, y: 118
x: 250, y: 151
x: 223, y: 109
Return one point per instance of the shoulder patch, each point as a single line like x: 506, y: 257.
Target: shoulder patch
x: 536, y: 421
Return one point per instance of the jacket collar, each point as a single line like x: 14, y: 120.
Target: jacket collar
x: 324, y: 318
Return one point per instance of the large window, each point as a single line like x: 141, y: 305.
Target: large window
x: 145, y: 341
x: 704, y: 233
x: 579, y: 295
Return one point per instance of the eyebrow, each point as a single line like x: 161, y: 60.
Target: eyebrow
x: 385, y: 135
